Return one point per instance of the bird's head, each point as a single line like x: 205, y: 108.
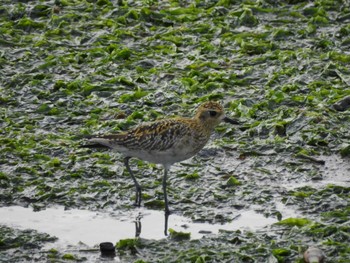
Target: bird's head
x: 212, y: 113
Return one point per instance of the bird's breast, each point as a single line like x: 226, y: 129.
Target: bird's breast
x: 178, y: 152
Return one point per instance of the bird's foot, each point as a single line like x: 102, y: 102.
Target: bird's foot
x: 136, y: 204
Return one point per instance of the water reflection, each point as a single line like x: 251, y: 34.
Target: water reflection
x: 91, y: 228
x: 138, y: 224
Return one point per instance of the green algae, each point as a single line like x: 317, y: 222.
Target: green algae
x: 69, y: 257
x: 14, y: 244
x: 84, y: 67
x: 155, y: 204
x: 294, y: 222
x: 232, y: 181
x: 178, y: 235
x: 129, y: 245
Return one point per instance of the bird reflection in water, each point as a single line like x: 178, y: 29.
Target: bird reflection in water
x: 138, y: 225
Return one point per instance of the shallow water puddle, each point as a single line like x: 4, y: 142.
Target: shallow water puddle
x: 335, y: 171
x: 91, y: 228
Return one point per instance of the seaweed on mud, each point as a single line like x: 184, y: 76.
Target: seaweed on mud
x: 72, y: 68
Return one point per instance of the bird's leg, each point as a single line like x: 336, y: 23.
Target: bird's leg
x: 166, y: 224
x: 137, y: 186
x: 167, y: 211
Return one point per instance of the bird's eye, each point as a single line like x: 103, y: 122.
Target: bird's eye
x: 212, y: 113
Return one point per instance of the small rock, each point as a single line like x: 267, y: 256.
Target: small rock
x: 343, y: 104
x: 107, y: 249
x: 147, y: 64
x: 205, y: 232
x: 314, y: 255
x: 209, y: 152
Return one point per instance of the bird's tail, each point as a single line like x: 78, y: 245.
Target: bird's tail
x: 92, y: 145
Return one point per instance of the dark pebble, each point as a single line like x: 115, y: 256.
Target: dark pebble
x: 107, y: 249
x: 343, y: 104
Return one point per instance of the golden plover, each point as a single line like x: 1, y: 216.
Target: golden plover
x: 164, y: 141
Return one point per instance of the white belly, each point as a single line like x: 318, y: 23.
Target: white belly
x: 177, y: 153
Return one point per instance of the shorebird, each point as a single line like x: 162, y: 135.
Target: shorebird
x: 164, y: 141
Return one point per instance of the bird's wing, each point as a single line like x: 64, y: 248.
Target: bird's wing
x: 159, y: 135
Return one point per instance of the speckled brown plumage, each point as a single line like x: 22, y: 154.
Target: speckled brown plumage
x: 166, y: 141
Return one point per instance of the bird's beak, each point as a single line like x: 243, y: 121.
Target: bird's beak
x: 229, y: 120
